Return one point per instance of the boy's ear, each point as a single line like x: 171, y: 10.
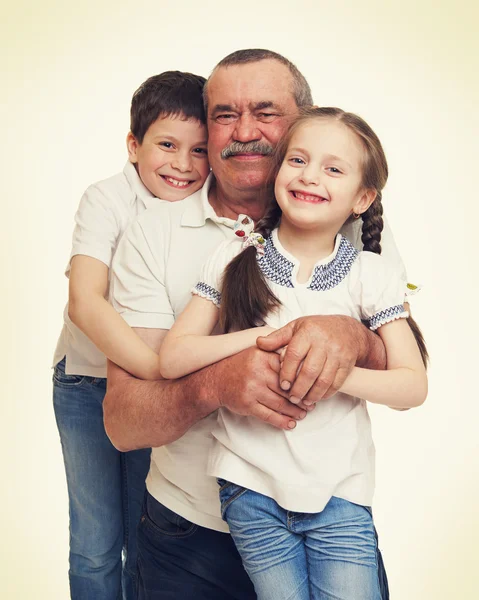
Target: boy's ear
x: 132, y: 146
x: 364, y: 201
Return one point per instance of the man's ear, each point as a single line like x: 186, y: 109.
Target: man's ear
x: 132, y: 146
x: 364, y: 201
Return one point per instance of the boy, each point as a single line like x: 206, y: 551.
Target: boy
x: 167, y: 160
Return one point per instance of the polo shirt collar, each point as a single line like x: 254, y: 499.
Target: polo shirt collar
x: 201, y: 210
x: 139, y: 189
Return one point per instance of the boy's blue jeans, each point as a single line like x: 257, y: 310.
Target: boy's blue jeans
x: 105, y: 489
x: 288, y: 555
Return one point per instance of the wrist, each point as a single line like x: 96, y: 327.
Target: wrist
x: 205, y: 391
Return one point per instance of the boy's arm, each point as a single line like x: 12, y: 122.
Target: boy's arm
x: 141, y: 414
x: 404, y: 384
x: 93, y: 314
x: 189, y: 346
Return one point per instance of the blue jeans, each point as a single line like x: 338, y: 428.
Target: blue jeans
x: 105, y: 490
x: 178, y: 560
x: 331, y: 555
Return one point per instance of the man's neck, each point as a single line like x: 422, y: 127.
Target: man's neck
x: 230, y: 203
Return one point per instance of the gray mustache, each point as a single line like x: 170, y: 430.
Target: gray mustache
x: 242, y: 147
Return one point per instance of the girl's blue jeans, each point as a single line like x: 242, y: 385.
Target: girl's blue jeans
x: 105, y: 490
x: 331, y: 555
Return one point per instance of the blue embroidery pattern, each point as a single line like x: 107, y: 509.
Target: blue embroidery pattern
x: 385, y: 316
x: 206, y: 291
x: 275, y: 266
x: 328, y: 276
x: 279, y: 269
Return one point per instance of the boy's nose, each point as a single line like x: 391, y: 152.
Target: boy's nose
x: 182, y: 162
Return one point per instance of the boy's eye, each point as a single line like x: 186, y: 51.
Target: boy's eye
x: 166, y: 144
x: 200, y: 150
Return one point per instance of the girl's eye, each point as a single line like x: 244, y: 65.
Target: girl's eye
x: 166, y: 144
x: 296, y: 160
x: 334, y: 170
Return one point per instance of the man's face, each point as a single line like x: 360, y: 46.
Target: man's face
x: 249, y: 109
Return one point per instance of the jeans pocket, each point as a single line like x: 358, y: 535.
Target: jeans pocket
x: 229, y: 492
x: 62, y: 379
x: 161, y: 520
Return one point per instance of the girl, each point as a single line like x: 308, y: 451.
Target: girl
x: 298, y: 502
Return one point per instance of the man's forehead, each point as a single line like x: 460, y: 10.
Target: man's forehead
x: 249, y: 85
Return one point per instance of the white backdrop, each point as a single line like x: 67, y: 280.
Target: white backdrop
x: 410, y: 69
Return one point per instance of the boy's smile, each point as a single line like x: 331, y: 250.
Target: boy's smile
x: 172, y: 159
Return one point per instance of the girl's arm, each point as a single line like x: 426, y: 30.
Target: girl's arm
x: 91, y: 312
x: 189, y: 347
x: 404, y: 384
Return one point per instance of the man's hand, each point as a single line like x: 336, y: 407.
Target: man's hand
x: 248, y: 384
x: 320, y: 353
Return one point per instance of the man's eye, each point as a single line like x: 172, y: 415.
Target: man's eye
x: 225, y: 118
x: 166, y: 144
x: 266, y: 117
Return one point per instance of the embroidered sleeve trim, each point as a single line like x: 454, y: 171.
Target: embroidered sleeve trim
x: 206, y: 291
x: 386, y: 316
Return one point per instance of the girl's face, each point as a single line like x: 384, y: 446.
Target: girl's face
x: 319, y: 182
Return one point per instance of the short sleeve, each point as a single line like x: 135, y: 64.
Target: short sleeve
x: 378, y: 290
x: 96, y: 229
x: 211, y: 280
x: 137, y: 286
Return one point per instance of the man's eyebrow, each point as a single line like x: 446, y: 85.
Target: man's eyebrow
x: 263, y: 105
x: 223, y: 108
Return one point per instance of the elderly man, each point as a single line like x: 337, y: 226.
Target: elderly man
x: 184, y: 549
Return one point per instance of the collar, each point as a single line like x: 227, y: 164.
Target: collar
x: 200, y: 211
x: 277, y: 264
x: 141, y: 192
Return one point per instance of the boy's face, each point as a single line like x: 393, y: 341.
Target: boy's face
x: 172, y: 160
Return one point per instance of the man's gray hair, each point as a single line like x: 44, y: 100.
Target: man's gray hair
x: 301, y: 90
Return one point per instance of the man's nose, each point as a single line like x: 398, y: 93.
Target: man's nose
x: 246, y: 129
x: 182, y: 162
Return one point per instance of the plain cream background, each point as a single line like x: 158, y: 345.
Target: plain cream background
x: 410, y: 69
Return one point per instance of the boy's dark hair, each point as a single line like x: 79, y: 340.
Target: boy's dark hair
x: 169, y: 94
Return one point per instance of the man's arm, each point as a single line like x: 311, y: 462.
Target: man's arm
x: 141, y: 414
x: 330, y: 347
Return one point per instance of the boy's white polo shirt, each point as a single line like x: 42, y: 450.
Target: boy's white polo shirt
x: 158, y: 261
x: 105, y: 211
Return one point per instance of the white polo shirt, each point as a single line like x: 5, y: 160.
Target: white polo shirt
x: 106, y: 209
x: 331, y: 452
x: 159, y: 260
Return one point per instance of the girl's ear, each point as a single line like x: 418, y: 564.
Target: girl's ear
x: 364, y: 201
x: 132, y: 146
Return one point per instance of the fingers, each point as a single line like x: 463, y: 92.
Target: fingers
x: 309, y: 371
x: 275, y: 402
x: 295, y: 353
x: 273, y: 418
x: 339, y: 379
x: 276, y: 340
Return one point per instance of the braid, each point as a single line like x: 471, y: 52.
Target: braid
x: 372, y: 226
x: 270, y: 220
